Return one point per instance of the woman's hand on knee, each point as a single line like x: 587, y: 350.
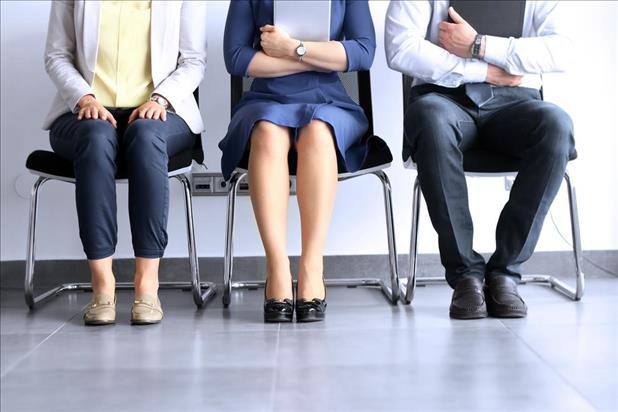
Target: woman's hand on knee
x: 90, y: 108
x: 149, y: 110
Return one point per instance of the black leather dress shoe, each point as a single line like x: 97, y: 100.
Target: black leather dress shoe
x: 503, y: 301
x: 468, y: 299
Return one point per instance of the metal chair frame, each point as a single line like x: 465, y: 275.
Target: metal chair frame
x: 202, y: 291
x: 409, y: 285
x: 392, y: 292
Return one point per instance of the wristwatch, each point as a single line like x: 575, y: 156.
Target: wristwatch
x: 301, y: 51
x: 476, y: 46
x: 162, y: 101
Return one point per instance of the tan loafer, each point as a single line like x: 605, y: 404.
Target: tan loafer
x: 101, y: 310
x: 146, y: 310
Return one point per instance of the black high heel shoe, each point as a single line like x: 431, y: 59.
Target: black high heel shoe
x: 313, y: 310
x: 278, y: 310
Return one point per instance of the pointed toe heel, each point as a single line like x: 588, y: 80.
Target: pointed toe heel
x: 313, y: 310
x: 276, y: 311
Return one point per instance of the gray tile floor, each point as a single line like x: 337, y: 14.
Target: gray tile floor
x: 367, y: 356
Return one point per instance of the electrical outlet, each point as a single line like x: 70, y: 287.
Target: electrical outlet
x: 213, y: 184
x: 292, y: 185
x: 202, y: 184
x: 220, y: 185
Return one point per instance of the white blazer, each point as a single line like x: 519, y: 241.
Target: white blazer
x: 178, y: 54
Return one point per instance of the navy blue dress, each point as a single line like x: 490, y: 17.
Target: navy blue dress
x: 294, y: 100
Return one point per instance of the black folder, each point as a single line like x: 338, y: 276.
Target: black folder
x: 502, y: 18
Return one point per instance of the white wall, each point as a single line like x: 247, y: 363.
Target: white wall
x: 589, y: 94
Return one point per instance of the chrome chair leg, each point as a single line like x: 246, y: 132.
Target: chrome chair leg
x: 413, y: 255
x: 31, y: 246
x: 574, y: 293
x: 576, y: 237
x: 228, y: 263
x: 392, y: 293
x: 199, y: 297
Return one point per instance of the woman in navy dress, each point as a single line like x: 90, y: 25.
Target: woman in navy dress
x: 296, y: 102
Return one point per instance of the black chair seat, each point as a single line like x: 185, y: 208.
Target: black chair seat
x: 49, y: 163
x: 378, y: 154
x: 485, y: 161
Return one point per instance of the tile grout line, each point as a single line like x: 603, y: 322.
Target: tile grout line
x: 551, y: 367
x: 273, y: 387
x: 24, y: 356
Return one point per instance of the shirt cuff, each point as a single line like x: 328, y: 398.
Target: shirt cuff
x: 475, y: 71
x: 496, y: 50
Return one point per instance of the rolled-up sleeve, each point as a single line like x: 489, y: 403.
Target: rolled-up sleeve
x: 360, y: 37
x: 238, y: 38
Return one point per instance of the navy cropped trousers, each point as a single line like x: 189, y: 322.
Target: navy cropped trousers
x: 441, y: 124
x: 142, y: 148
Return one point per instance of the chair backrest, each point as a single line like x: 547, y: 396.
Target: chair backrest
x: 197, y: 150
x: 357, y: 85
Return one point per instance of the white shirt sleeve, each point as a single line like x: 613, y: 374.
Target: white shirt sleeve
x: 408, y: 51
x: 550, y: 51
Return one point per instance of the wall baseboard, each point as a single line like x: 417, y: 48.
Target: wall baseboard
x: 52, y: 272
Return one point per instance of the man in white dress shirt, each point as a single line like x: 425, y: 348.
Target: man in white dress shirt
x: 477, y: 91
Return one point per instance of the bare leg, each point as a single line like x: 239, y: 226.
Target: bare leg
x: 269, y: 189
x: 103, y: 281
x: 316, y: 184
x: 146, y: 276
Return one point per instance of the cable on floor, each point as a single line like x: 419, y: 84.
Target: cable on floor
x: 592, y: 262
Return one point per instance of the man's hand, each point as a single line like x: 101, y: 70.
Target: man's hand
x: 498, y: 77
x: 276, y: 42
x: 149, y: 110
x: 90, y: 108
x: 457, y: 37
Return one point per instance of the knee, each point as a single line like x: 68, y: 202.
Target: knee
x: 270, y: 140
x: 315, y: 137
x: 95, y: 139
x: 143, y: 138
x: 557, y: 129
x: 430, y: 122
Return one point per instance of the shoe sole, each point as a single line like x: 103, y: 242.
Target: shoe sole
x: 144, y: 322
x: 277, y: 318
x: 508, y: 314
x: 99, y: 322
x: 468, y: 316
x: 309, y: 319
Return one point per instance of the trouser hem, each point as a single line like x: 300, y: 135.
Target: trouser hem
x: 149, y: 253
x: 100, y: 254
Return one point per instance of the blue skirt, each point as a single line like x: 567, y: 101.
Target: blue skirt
x: 294, y: 101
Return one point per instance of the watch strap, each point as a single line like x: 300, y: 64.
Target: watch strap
x: 476, y: 46
x: 300, y: 56
x: 160, y: 100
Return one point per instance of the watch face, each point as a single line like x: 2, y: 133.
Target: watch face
x: 300, y: 50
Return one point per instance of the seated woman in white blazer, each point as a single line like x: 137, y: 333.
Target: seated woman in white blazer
x: 125, y: 73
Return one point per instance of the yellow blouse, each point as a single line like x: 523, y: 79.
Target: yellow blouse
x: 123, y: 76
